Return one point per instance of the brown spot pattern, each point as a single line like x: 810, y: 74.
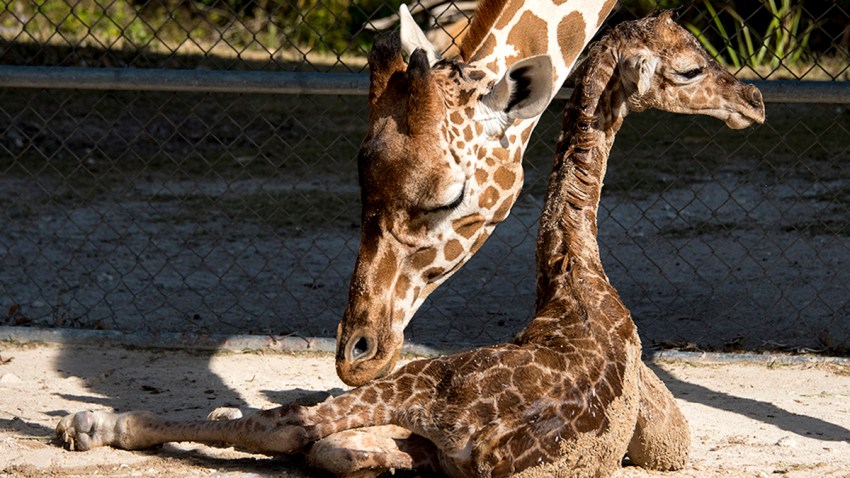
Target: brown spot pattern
x: 504, y: 209
x: 606, y: 9
x: 481, y: 176
x: 507, y: 14
x: 526, y: 133
x: 477, y: 75
x: 482, y: 22
x: 518, y: 155
x: 453, y: 250
x: 479, y: 241
x: 504, y: 177
x: 401, y: 286
x: 422, y: 259
x: 386, y: 270
x: 432, y: 273
x: 500, y: 154
x: 488, y: 198
x: 464, y: 97
x: 571, y: 36
x: 572, y: 372
x: 467, y: 226
x: 529, y: 36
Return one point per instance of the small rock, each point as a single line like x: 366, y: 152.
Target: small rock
x: 225, y: 413
x: 786, y: 442
x: 9, y: 379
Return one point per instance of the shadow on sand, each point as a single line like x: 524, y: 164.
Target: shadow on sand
x: 764, y: 412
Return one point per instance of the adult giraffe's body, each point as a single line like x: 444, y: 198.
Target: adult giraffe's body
x: 441, y: 164
x: 569, y: 397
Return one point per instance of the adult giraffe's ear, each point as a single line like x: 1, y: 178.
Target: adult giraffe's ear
x: 637, y: 71
x: 413, y: 38
x: 524, y: 92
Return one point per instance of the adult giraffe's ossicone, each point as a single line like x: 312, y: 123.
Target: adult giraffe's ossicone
x: 441, y: 163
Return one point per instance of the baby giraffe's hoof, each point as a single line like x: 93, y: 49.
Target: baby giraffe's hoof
x: 80, y: 431
x: 86, y: 430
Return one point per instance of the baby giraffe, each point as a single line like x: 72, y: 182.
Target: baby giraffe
x: 570, y: 396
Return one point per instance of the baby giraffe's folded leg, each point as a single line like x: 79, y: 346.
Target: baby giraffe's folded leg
x: 662, y: 440
x: 371, y: 451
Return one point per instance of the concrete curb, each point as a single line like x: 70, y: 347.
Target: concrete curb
x: 195, y: 341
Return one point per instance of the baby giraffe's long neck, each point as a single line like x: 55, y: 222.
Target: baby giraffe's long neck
x: 572, y: 287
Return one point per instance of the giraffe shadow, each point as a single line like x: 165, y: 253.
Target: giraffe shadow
x: 764, y: 412
x: 26, y: 428
x: 115, y: 380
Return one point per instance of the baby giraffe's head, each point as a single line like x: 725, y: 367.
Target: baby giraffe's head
x: 663, y: 66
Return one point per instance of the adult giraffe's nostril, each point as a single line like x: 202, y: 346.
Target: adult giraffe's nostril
x: 360, y: 348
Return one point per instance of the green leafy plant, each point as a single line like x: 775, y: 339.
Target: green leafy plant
x: 269, y: 25
x: 785, y: 39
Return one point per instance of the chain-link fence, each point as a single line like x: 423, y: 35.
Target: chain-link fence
x: 196, y: 177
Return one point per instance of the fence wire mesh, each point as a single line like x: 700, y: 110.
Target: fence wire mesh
x: 235, y: 213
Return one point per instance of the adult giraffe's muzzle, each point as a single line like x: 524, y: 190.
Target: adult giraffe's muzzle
x: 362, y: 357
x: 371, y: 333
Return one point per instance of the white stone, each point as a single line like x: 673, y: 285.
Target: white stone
x: 9, y: 379
x: 787, y: 442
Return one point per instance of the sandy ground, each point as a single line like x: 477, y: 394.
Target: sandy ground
x: 747, y: 420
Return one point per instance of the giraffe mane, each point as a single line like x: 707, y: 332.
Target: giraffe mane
x: 483, y: 19
x: 593, y: 77
x: 596, y: 70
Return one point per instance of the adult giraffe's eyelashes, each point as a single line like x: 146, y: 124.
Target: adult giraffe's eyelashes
x: 454, y: 203
x: 690, y: 74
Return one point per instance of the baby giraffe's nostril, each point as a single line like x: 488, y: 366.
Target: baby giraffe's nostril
x: 755, y: 97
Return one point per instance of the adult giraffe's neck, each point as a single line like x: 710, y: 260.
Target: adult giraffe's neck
x: 505, y: 31
x: 572, y: 288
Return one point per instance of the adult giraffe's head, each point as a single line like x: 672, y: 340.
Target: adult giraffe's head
x: 441, y: 164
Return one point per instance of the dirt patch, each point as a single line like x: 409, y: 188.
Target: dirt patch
x: 747, y: 420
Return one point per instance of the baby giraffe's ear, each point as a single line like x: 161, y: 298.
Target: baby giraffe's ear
x: 637, y: 71
x: 524, y: 92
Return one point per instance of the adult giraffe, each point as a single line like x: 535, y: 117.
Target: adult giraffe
x: 441, y: 164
